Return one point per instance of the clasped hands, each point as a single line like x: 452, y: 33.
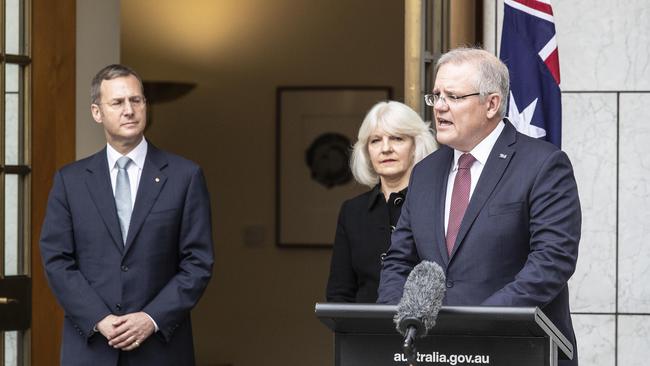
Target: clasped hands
x: 126, y: 332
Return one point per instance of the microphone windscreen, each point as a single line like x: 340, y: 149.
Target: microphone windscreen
x: 422, y: 298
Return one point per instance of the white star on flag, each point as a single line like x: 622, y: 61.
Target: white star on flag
x: 521, y: 120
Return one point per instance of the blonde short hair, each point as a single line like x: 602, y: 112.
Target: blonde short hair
x: 396, y: 119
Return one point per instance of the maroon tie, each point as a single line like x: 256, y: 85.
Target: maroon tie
x: 459, y: 198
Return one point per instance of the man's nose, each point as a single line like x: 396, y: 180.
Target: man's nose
x: 128, y: 107
x: 440, y: 104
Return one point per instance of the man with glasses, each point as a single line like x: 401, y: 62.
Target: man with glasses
x: 497, y: 210
x: 127, y: 240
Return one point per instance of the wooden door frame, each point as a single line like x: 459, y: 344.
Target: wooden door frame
x: 53, y: 145
x: 450, y: 24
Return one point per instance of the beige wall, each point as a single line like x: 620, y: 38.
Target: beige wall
x: 258, y: 309
x: 98, y: 44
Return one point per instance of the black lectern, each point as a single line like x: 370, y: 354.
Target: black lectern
x: 364, y: 334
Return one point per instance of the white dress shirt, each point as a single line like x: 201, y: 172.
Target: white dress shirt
x: 137, y: 155
x: 481, y: 152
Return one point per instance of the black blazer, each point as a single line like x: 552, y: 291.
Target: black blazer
x: 362, y: 238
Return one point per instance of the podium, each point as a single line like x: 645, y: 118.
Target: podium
x: 364, y: 334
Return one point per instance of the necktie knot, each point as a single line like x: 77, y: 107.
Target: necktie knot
x: 123, y: 162
x: 465, y: 161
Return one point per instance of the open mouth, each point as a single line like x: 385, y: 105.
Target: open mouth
x: 444, y: 122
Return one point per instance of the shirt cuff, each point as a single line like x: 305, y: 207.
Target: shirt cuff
x: 153, y: 321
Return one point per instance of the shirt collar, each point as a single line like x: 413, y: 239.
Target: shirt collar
x: 481, y: 152
x: 138, y: 154
x: 377, y: 194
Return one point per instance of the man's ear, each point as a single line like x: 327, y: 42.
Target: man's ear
x: 493, y: 103
x: 96, y: 112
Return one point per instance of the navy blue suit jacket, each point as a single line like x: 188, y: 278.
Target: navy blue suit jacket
x: 518, y: 241
x: 162, y: 269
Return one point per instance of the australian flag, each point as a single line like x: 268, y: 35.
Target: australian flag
x: 529, y: 49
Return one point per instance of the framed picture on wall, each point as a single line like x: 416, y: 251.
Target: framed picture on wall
x: 316, y: 127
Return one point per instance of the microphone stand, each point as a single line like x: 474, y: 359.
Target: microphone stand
x: 409, y: 346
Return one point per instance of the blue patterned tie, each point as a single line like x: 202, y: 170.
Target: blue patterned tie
x: 123, y: 195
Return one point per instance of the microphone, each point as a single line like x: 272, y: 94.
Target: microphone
x: 421, y: 301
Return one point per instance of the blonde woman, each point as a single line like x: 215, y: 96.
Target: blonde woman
x: 392, y: 138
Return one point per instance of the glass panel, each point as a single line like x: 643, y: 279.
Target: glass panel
x: 12, y: 224
x: 428, y: 26
x: 13, y: 114
x: 11, y: 348
x: 12, y: 78
x: 12, y: 129
x: 13, y: 27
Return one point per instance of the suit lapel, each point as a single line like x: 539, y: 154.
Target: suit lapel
x: 151, y: 183
x: 495, y: 167
x: 98, y: 182
x: 439, y: 200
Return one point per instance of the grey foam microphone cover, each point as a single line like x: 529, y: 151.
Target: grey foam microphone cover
x: 422, y: 298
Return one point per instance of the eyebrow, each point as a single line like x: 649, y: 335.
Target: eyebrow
x: 128, y: 97
x: 445, y: 90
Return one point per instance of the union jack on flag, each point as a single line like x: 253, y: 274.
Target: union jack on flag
x: 529, y: 49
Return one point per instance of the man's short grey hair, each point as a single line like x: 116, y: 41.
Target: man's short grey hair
x: 396, y: 119
x: 110, y: 72
x: 492, y: 74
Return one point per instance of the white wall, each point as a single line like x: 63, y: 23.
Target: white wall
x: 98, y: 44
x: 604, y: 55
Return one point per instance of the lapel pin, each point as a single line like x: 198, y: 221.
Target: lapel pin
x: 502, y: 156
x: 157, y: 179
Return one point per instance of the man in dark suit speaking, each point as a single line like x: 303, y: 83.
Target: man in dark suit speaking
x: 127, y: 240
x: 497, y: 210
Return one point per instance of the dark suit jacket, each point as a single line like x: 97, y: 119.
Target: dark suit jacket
x: 362, y: 238
x: 518, y: 241
x: 162, y: 269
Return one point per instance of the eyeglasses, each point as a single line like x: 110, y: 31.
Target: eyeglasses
x: 119, y: 104
x: 432, y: 99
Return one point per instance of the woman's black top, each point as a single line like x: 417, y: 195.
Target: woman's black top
x: 362, y: 239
